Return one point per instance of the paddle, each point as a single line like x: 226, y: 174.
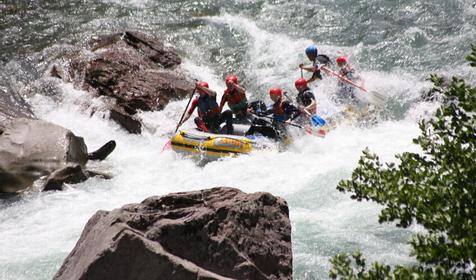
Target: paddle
x: 307, y: 129
x: 375, y: 96
x: 169, y: 143
x: 271, y: 118
x: 186, y: 107
x: 315, y: 120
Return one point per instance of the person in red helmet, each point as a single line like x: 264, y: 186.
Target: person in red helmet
x: 305, y: 98
x: 344, y: 67
x: 282, y: 111
x: 209, y: 117
x: 235, y: 96
x: 346, y: 92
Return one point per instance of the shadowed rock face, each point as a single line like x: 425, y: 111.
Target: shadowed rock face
x: 218, y: 233
x: 134, y: 71
x: 30, y: 149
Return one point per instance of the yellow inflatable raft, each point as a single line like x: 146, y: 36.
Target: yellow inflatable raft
x: 212, y: 146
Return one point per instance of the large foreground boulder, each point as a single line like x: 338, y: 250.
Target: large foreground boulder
x: 130, y: 71
x: 218, y: 233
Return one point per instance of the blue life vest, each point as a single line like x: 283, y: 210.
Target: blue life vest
x: 207, y: 106
x: 279, y: 113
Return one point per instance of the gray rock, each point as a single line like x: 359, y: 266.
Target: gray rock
x: 217, y: 233
x: 30, y: 149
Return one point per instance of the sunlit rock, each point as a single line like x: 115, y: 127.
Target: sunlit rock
x: 34, y: 150
x: 218, y: 233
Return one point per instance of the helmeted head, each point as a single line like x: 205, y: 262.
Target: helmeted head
x: 275, y: 94
x: 231, y: 79
x: 202, y: 84
x: 341, y: 60
x: 300, y: 84
x: 311, y: 52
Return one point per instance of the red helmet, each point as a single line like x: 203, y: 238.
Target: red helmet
x: 232, y: 78
x: 300, y: 82
x: 203, y: 84
x: 275, y: 91
x: 341, y: 59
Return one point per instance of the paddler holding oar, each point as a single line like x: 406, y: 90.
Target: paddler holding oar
x: 317, y: 62
x: 320, y: 63
x: 346, y: 93
x: 282, y: 111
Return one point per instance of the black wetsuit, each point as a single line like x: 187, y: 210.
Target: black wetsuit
x: 304, y: 98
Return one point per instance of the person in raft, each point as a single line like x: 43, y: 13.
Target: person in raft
x: 235, y: 96
x: 306, y: 101
x: 317, y: 62
x: 346, y: 93
x: 209, y: 117
x: 282, y: 111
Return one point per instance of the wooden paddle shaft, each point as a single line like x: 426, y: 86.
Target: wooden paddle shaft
x: 186, y: 107
x: 327, y: 70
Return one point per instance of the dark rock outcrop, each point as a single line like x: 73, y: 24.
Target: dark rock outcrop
x: 218, y: 233
x: 103, y: 151
x: 135, y: 71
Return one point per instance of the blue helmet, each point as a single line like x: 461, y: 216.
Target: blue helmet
x: 311, y: 50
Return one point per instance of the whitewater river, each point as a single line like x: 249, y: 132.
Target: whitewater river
x: 395, y: 46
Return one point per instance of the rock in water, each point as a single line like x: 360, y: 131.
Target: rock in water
x: 130, y: 71
x: 30, y: 149
x: 218, y: 233
x: 103, y: 152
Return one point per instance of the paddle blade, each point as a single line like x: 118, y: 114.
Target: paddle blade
x: 167, y: 146
x: 315, y: 131
x: 377, y: 97
x: 317, y: 121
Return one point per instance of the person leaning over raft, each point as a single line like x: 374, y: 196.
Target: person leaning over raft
x: 235, y: 96
x: 312, y: 55
x: 209, y: 117
x: 283, y: 111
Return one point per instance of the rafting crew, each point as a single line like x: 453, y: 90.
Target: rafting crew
x: 209, y: 117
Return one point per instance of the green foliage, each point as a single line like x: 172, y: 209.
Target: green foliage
x: 472, y: 57
x: 435, y: 188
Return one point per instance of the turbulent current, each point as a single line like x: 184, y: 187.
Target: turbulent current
x: 394, y: 45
